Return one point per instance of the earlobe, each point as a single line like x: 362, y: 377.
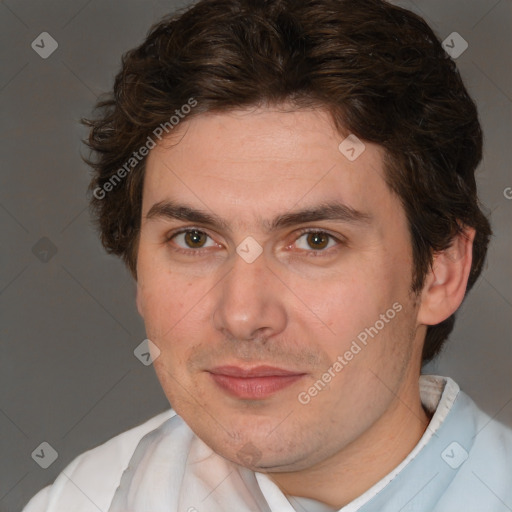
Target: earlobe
x: 445, y: 284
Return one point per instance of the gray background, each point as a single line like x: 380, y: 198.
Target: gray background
x: 68, y: 375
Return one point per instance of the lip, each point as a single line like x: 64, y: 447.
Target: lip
x: 253, y: 383
x: 256, y: 371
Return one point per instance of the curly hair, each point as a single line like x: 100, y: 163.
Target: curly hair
x: 378, y: 69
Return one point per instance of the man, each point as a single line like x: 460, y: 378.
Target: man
x: 291, y: 183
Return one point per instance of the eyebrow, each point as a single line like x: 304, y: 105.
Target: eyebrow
x: 333, y: 211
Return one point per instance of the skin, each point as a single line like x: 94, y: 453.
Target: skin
x: 296, y: 306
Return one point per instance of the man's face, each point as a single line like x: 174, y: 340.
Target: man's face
x: 245, y: 336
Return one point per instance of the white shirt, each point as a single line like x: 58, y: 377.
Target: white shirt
x: 462, y: 463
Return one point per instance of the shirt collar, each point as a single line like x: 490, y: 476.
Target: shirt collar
x: 438, y: 396
x: 172, y: 469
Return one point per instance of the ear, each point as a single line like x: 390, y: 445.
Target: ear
x: 445, y: 284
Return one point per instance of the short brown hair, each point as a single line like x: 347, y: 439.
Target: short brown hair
x: 378, y: 69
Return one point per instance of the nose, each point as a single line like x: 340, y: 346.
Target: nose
x: 249, y: 304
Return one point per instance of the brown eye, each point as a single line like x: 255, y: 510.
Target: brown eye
x: 195, y: 239
x: 193, y: 242
x: 317, y: 240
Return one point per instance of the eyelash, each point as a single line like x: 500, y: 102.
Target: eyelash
x: 302, y: 232
x: 318, y: 253
x: 188, y: 252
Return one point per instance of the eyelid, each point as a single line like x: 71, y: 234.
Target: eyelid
x: 179, y: 231
x: 298, y: 234
x: 338, y: 238
x: 184, y: 229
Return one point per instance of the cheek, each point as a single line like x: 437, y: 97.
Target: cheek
x: 351, y: 305
x: 349, y: 300
x: 165, y: 300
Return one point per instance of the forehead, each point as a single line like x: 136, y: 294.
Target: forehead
x: 264, y: 160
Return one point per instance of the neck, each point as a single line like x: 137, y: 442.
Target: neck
x: 349, y: 473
